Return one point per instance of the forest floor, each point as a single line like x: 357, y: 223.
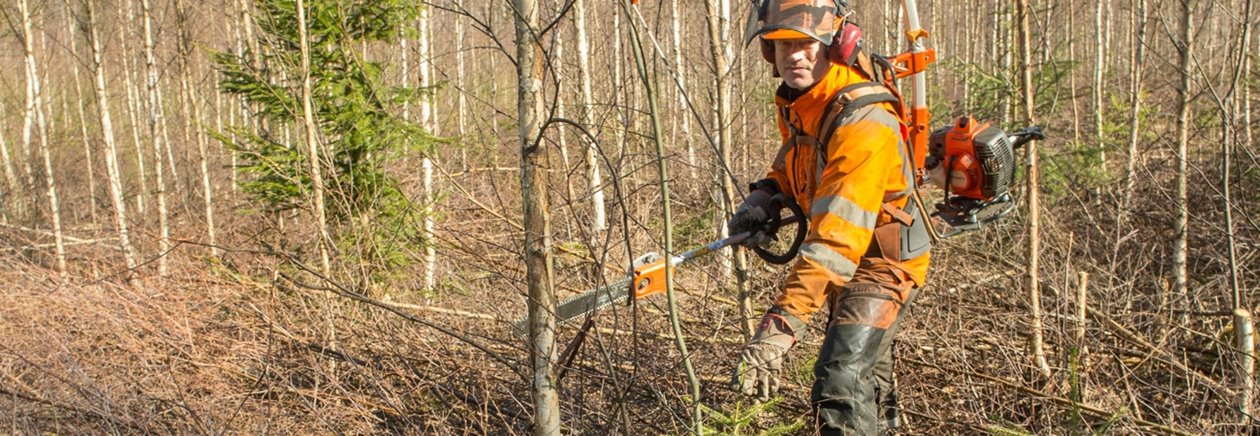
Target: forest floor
x: 245, y: 345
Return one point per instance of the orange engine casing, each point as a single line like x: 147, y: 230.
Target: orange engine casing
x: 978, y: 151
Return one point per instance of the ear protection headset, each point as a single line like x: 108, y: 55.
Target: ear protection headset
x: 845, y: 43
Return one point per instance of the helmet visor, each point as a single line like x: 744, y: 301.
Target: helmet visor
x: 792, y: 19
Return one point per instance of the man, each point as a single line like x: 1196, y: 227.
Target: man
x: 845, y: 161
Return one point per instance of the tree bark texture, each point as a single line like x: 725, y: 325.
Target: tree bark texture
x: 599, y: 220
x: 156, y: 136
x: 1181, y: 224
x: 1034, y: 203
x: 539, y: 263
x: 35, y: 112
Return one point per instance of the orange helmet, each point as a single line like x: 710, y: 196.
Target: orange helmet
x: 795, y: 19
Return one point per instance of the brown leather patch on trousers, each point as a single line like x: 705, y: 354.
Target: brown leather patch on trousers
x: 874, y: 297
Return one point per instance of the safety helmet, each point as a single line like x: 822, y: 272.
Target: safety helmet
x: 820, y: 20
x: 795, y: 19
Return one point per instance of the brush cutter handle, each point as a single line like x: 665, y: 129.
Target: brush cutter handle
x: 777, y: 203
x: 1023, y: 136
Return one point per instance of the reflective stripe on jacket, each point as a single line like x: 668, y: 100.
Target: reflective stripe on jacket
x: 865, y: 166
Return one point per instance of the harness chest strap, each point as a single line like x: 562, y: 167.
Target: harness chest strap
x: 905, y: 237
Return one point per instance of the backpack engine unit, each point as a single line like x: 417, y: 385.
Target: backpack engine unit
x: 983, y: 158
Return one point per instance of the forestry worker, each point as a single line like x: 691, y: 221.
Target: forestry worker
x: 844, y: 160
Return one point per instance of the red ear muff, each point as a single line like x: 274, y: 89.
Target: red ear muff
x: 767, y: 50
x: 767, y: 53
x: 845, y: 45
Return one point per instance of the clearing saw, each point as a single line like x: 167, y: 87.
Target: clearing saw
x: 974, y: 163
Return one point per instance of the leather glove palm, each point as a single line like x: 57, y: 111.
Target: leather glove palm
x: 751, y: 216
x: 761, y: 360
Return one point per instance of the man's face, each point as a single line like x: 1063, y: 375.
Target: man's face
x: 801, y: 62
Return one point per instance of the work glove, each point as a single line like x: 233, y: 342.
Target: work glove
x: 761, y: 360
x: 752, y: 216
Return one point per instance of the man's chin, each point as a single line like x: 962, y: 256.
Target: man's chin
x: 797, y: 83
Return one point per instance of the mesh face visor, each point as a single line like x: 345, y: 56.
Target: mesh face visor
x: 792, y: 19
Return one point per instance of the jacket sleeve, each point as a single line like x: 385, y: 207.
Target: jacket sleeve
x: 863, y: 163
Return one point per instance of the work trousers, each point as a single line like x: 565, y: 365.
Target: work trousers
x: 853, y: 384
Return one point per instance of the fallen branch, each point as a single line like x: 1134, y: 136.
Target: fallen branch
x: 1138, y: 340
x: 1097, y: 412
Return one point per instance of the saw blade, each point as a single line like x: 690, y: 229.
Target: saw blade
x: 582, y: 304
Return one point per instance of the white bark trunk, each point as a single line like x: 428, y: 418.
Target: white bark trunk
x: 133, y: 104
x: 1099, y: 69
x: 312, y: 146
x: 428, y: 119
x: 111, y: 150
x: 190, y: 109
x: 35, y: 110
x: 10, y: 177
x: 1135, y: 104
x: 1245, y: 340
x: 156, y: 125
x: 538, y: 260
x: 599, y: 223
x: 462, y: 100
x: 78, y: 104
x: 683, y: 115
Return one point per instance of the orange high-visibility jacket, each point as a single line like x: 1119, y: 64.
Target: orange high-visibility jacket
x: 866, y: 165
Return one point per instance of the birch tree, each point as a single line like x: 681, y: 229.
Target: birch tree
x: 539, y: 263
x: 35, y: 113
x: 189, y: 108
x: 156, y: 136
x: 78, y: 104
x: 599, y: 222
x: 312, y: 145
x: 719, y: 19
x: 1135, y: 102
x: 428, y: 119
x: 111, y: 149
x: 682, y: 116
x: 10, y: 196
x: 133, y: 104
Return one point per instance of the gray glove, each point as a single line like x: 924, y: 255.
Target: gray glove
x: 761, y: 360
x: 750, y: 216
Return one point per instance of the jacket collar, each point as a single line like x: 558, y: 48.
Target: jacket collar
x: 808, y: 106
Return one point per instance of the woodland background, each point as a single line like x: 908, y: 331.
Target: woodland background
x: 229, y: 216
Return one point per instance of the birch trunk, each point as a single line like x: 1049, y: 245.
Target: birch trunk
x: 10, y: 178
x: 599, y: 223
x: 1245, y: 341
x: 35, y: 110
x: 562, y: 81
x: 133, y: 104
x: 461, y: 102
x: 718, y: 13
x: 156, y: 125
x: 312, y: 145
x: 1099, y: 67
x: 1182, y: 222
x: 78, y: 104
x: 192, y: 118
x: 538, y: 260
x: 682, y: 117
x: 1135, y: 104
x: 111, y: 150
x: 428, y: 119
x: 1034, y: 203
